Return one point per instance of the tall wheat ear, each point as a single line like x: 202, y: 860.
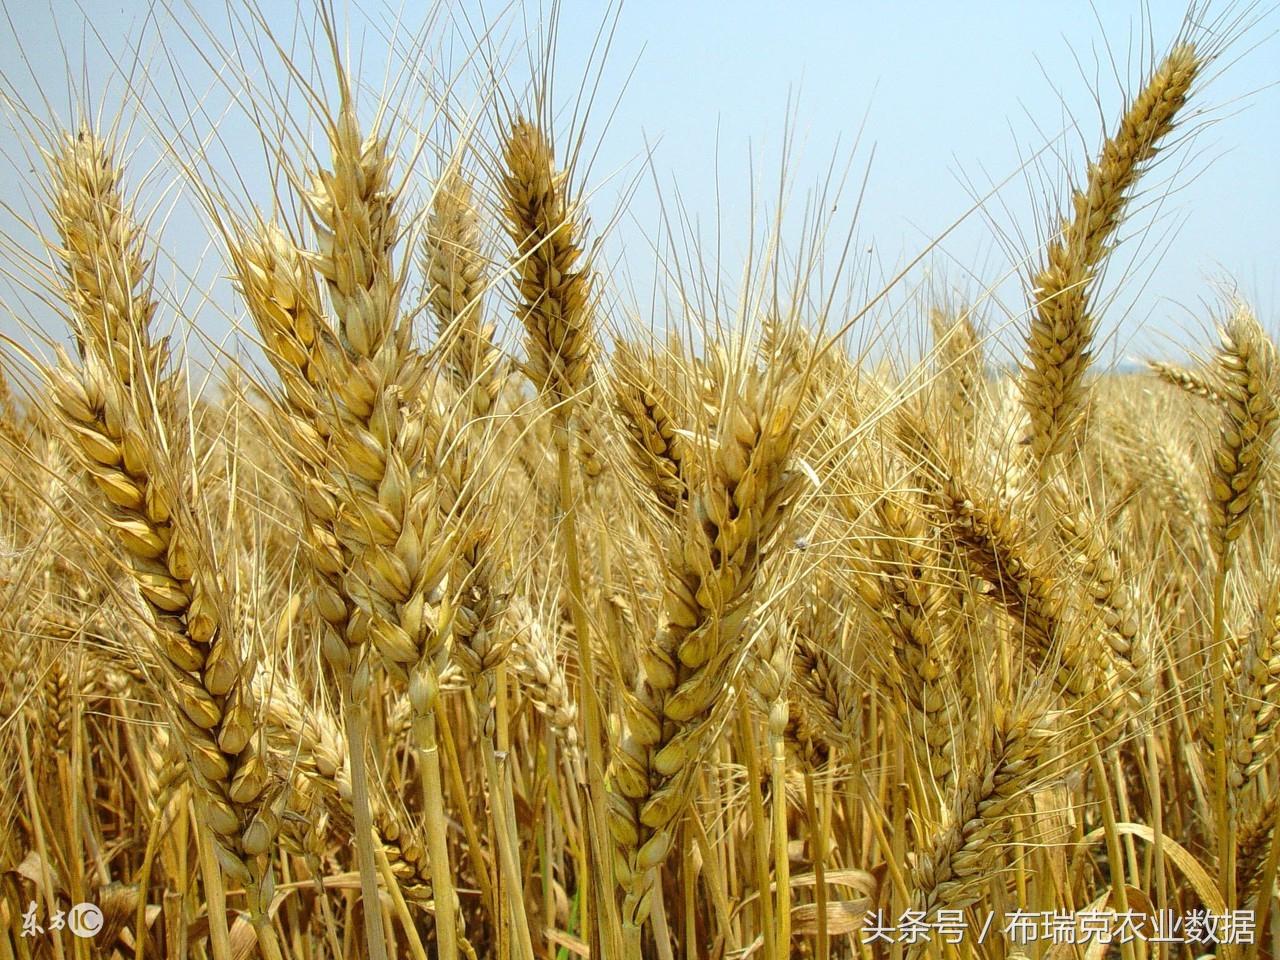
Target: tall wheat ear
x: 117, y: 405
x: 359, y: 429
x: 1063, y: 324
x: 556, y: 310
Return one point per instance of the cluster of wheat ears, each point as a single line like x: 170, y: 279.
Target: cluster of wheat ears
x: 418, y: 640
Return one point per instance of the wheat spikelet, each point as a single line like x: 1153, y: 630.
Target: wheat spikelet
x: 1062, y: 325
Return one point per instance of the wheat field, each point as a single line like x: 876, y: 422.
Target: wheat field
x: 474, y: 616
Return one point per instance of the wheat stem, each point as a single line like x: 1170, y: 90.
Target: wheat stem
x: 355, y: 720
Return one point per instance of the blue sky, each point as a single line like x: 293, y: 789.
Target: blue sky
x: 694, y: 103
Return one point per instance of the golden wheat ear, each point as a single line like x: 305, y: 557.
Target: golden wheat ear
x: 1249, y: 382
x: 115, y: 408
x: 1063, y: 325
x: 1010, y: 758
x: 554, y: 284
x: 650, y: 427
x: 457, y: 278
x: 958, y: 346
x: 1189, y: 381
x: 729, y: 523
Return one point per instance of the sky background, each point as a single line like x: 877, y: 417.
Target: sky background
x: 926, y: 107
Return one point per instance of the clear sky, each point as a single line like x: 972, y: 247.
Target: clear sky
x: 696, y: 96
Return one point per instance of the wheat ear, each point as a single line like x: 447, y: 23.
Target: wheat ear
x: 115, y: 408
x: 1188, y: 381
x: 997, y: 547
x: 357, y: 430
x: 311, y: 753
x: 395, y: 545
x: 729, y: 523
x: 1253, y: 844
x: 957, y: 858
x: 456, y: 273
x: 1112, y: 594
x: 650, y: 427
x: 828, y: 703
x: 959, y: 348
x: 1249, y: 381
x: 901, y: 589
x: 1062, y: 324
x: 1255, y: 720
x: 555, y: 290
x: 555, y: 311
